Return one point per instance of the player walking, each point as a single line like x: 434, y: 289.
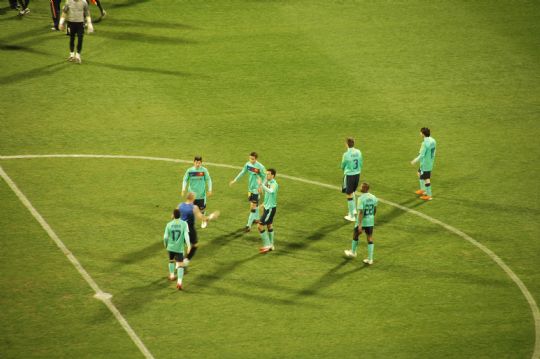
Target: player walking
x: 426, y: 157
x: 365, y: 221
x: 270, y: 187
x: 255, y: 170
x: 197, y: 177
x: 76, y: 12
x: 176, y: 235
x: 188, y: 211
x: 351, y: 164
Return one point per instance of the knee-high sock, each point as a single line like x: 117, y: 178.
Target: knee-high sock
x: 422, y: 186
x: 370, y: 248
x: 350, y: 205
x: 264, y: 237
x: 180, y: 274
x: 251, y: 218
x: 171, y: 267
x: 354, y: 245
x: 271, y: 236
x: 428, y: 189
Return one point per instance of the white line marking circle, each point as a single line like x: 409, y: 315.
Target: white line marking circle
x: 524, y: 290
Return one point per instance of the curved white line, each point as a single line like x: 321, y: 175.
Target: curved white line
x: 524, y: 290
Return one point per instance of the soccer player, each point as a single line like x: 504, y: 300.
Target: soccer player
x: 176, y: 235
x: 188, y: 211
x: 351, y: 164
x: 426, y: 157
x: 365, y: 221
x: 197, y: 177
x: 76, y: 12
x: 255, y: 170
x: 270, y: 187
x: 55, y: 13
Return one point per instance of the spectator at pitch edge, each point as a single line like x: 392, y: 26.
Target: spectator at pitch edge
x: 55, y: 13
x: 24, y: 7
x: 76, y: 12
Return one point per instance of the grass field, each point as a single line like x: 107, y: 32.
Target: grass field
x: 290, y: 80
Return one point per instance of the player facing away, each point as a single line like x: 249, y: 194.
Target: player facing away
x: 351, y: 164
x: 196, y: 179
x: 365, y: 221
x: 76, y: 12
x: 188, y: 212
x: 175, y: 237
x: 426, y: 157
x: 270, y: 188
x: 255, y: 170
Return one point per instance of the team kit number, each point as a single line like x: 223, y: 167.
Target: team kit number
x: 369, y: 210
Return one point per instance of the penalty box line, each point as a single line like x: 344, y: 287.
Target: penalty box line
x: 102, y: 296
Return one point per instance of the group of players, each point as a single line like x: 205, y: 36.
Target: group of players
x: 180, y: 232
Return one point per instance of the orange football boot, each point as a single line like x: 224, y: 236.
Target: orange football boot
x: 420, y: 192
x: 426, y: 198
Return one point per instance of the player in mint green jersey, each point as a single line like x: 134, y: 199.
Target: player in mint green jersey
x: 175, y: 237
x: 196, y: 179
x: 270, y: 188
x: 256, y: 171
x: 426, y: 157
x: 365, y: 221
x: 351, y: 164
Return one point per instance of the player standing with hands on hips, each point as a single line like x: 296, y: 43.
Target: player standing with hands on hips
x: 76, y: 12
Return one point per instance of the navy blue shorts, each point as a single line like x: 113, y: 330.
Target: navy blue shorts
x: 350, y: 184
x: 268, y: 216
x: 179, y: 257
x: 424, y: 174
x: 253, y: 197
x: 201, y: 203
x: 367, y: 230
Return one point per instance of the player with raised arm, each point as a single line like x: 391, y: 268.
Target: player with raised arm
x: 196, y: 179
x: 188, y: 212
x: 270, y: 188
x: 175, y: 237
x: 426, y: 157
x: 351, y: 164
x: 255, y: 170
x: 365, y: 221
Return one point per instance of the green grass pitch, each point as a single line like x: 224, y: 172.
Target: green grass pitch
x: 290, y: 80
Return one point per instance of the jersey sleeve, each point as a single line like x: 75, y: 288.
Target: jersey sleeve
x: 166, y: 235
x: 185, y: 180
x: 208, y: 179
x: 422, y: 151
x: 343, y: 161
x: 262, y: 174
x: 242, y: 172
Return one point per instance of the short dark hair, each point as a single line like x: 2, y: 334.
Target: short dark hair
x: 425, y: 131
x: 272, y: 171
x: 364, y: 187
x: 350, y: 142
x: 176, y: 213
x: 254, y: 154
x: 198, y: 158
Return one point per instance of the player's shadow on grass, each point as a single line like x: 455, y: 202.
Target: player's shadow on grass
x: 395, y: 212
x: 126, y: 4
x: 332, y: 276
x: 207, y: 279
x: 153, y: 24
x: 208, y: 248
x: 140, y: 69
x: 134, y: 298
x: 34, y: 73
x: 144, y: 38
x: 20, y: 48
x: 311, y: 239
x: 141, y: 254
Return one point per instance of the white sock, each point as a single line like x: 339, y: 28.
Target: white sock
x: 77, y: 55
x: 72, y: 54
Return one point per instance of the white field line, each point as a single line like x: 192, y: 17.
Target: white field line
x: 104, y: 297
x: 524, y: 290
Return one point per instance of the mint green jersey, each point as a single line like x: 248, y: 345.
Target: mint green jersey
x: 176, y: 235
x: 367, y: 204
x: 270, y: 189
x: 196, y: 179
x: 427, y: 153
x: 352, y: 162
x: 255, y: 170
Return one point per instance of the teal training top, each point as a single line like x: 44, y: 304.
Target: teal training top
x: 176, y: 235
x: 270, y: 189
x: 367, y: 204
x: 427, y: 153
x: 255, y: 170
x: 196, y: 179
x: 352, y: 162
